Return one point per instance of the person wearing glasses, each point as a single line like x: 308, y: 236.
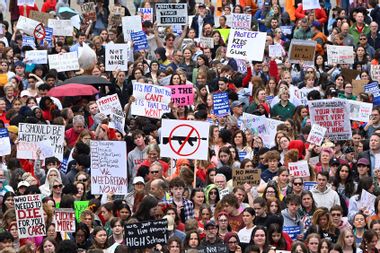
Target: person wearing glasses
x: 46, y: 188
x: 212, y: 237
x: 338, y: 220
x: 231, y: 239
x: 56, y: 189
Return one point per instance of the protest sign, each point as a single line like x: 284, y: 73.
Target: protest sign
x: 64, y: 220
x: 108, y: 167
x: 350, y: 74
x: 299, y: 169
x: 130, y: 24
x: 140, y: 41
x: 367, y: 201
x: 373, y: 88
x: 286, y: 29
x: 262, y: 126
x: 308, y: 185
x: 221, y: 105
x: 33, y: 133
x: 117, y: 121
x: 310, y: 4
x: 206, y: 42
x: 340, y: 54
x: 316, y: 135
x: 249, y: 176
x: 225, y: 33
x: 116, y: 12
x: 28, y: 41
x: 375, y: 72
x: 241, y: 21
x: 48, y: 40
x: 41, y: 17
x: 246, y: 45
x: 61, y: 27
x: 360, y: 111
x: 25, y: 2
x: 27, y: 25
x: 216, y: 248
x: 182, y: 94
x: 358, y: 86
x: 36, y: 56
x: 29, y: 216
x: 75, y: 21
x: 5, y: 144
x: 275, y: 50
x: 165, y: 81
x: 184, y: 139
x: 79, y: 207
x: 333, y: 114
x: 171, y: 14
x: 109, y: 104
x: 302, y: 50
x: 151, y: 100
x: 64, y: 62
x: 292, y: 231
x: 146, y: 234
x: 146, y: 14
x: 116, y: 57
x: 88, y: 12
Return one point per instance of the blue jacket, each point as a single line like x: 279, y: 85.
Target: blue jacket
x: 208, y: 19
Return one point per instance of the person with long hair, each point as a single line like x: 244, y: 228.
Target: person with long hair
x: 344, y: 182
x: 122, y: 211
x: 259, y: 238
x: 347, y: 241
x: 192, y: 240
x: 135, y: 197
x: 368, y: 244
x: 276, y: 239
x: 231, y: 239
x: 375, y: 226
x: 8, y: 201
x: 147, y: 209
x: 365, y: 183
x: 248, y: 219
x: 322, y: 225
x: 240, y: 142
x: 312, y: 242
x: 99, y: 238
x: 359, y: 227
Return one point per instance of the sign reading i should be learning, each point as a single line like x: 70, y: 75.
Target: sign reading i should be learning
x: 146, y: 234
x: 29, y: 216
x: 151, y: 100
x: 116, y: 57
x: 171, y: 14
x: 246, y: 45
x: 108, y: 167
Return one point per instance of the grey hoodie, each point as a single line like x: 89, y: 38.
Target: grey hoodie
x: 291, y: 224
x: 327, y: 198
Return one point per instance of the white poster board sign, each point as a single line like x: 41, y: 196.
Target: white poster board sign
x: 360, y: 111
x: 64, y: 62
x: 109, y: 104
x: 116, y: 57
x: 171, y: 14
x: 340, y: 55
x: 36, y: 56
x: 275, y: 50
x: 299, y: 169
x: 64, y: 220
x: 246, y: 45
x: 25, y: 2
x: 241, y: 21
x: 130, y: 24
x: 27, y: 25
x: 61, y: 27
x: 316, y: 135
x: 310, y: 4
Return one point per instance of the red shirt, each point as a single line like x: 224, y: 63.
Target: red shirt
x: 71, y: 137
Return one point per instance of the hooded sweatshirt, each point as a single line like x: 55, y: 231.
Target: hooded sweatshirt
x: 327, y: 198
x: 292, y: 225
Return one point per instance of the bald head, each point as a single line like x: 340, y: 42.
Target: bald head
x: 345, y: 28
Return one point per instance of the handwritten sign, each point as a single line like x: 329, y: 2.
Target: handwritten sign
x: 206, y: 42
x: 25, y: 2
x: 64, y: 62
x: 241, y: 21
x: 249, y: 176
x: 310, y: 4
x: 340, y: 54
x: 5, y: 144
x: 79, y: 207
x: 302, y: 50
x: 116, y: 12
x: 41, y: 17
x: 109, y: 104
x: 373, y: 88
x: 33, y: 133
x: 316, y: 135
x: 117, y: 120
x: 358, y: 86
x: 147, y: 14
x: 182, y: 94
x: 130, y: 24
x: 333, y: 114
x: 299, y: 169
x: 275, y: 50
x: 108, y: 167
x: 151, y: 100
x: 375, y: 72
x: 64, y: 220
x: 221, y: 104
x: 171, y: 14
x: 360, y: 111
x: 27, y: 25
x: 367, y: 201
x: 116, y: 57
x: 29, y: 216
x: 146, y: 234
x: 36, y: 56
x: 61, y: 27
x: 246, y: 45
x: 140, y: 41
x: 88, y: 12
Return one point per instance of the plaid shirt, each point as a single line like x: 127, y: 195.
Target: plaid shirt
x: 187, y: 210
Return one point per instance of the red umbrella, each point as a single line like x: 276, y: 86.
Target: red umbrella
x: 72, y: 90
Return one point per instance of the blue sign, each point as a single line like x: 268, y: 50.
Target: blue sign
x: 28, y: 41
x: 48, y: 37
x: 242, y: 155
x: 373, y: 88
x: 221, y: 104
x: 140, y: 42
x: 308, y: 185
x: 292, y: 231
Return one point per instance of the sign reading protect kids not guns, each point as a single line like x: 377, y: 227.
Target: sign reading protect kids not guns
x: 246, y: 45
x: 184, y: 139
x: 108, y: 167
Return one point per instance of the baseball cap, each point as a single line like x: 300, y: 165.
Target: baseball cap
x: 138, y: 180
x: 23, y: 183
x: 201, y: 5
x: 236, y: 103
x: 210, y: 223
x: 363, y: 161
x: 334, y: 161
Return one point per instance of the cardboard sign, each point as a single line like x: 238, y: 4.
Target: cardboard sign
x: 34, y: 133
x: 310, y: 4
x: 375, y: 72
x: 246, y: 45
x: 350, y: 74
x: 116, y: 13
x: 171, y: 14
x: 275, y: 50
x: 109, y: 104
x: 140, y: 41
x: 360, y: 111
x: 206, y: 42
x: 264, y: 127
x: 151, y: 100
x: 5, y: 144
x: 108, y: 167
x: 221, y: 104
x: 27, y: 25
x: 249, y: 176
x: 217, y: 248
x: 358, y: 86
x: 316, y: 135
x: 146, y: 234
x: 61, y: 27
x: 333, y: 114
x: 29, y: 216
x: 373, y: 88
x: 302, y: 50
x: 64, y: 62
x: 340, y: 54
x: 88, y: 12
x: 64, y: 220
x: 146, y: 14
x: 41, y: 17
x: 79, y: 207
x: 299, y: 169
x: 241, y: 21
x: 25, y: 2
x: 182, y: 95
x: 116, y: 57
x: 130, y: 24
x: 36, y: 56
x: 184, y: 139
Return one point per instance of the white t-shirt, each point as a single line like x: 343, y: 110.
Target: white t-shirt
x: 245, y: 234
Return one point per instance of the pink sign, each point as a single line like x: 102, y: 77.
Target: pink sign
x: 182, y: 94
